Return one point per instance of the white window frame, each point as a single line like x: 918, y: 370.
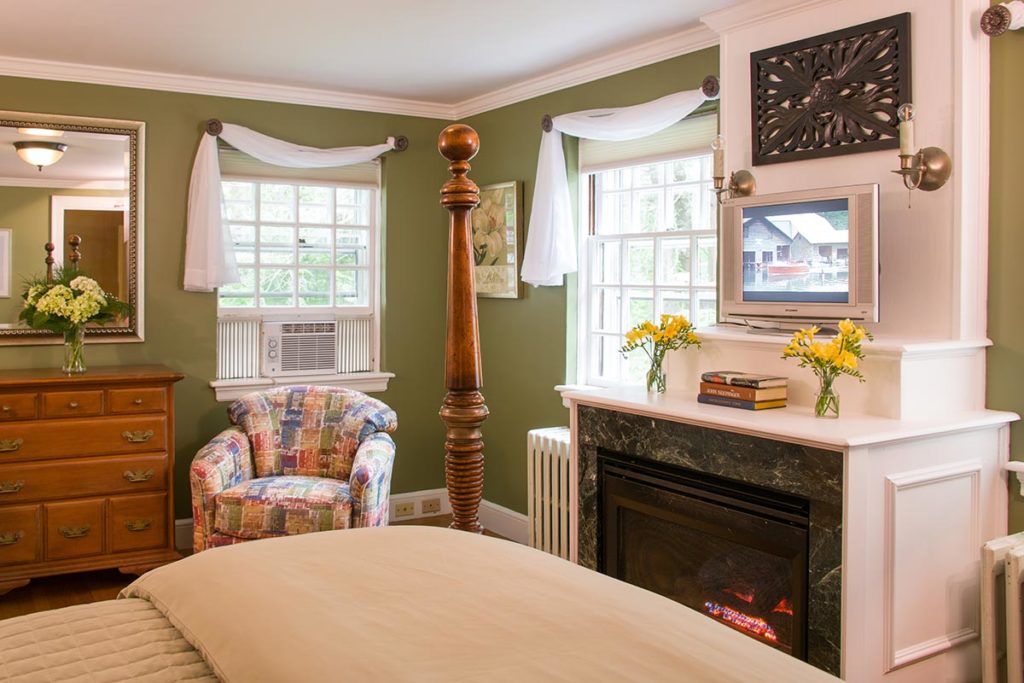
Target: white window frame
x: 587, y: 250
x: 372, y: 381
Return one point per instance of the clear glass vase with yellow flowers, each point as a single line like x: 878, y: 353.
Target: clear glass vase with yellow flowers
x: 829, y: 359
x: 674, y: 332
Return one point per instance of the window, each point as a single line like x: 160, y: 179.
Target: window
x: 307, y: 248
x: 301, y: 247
x: 651, y: 249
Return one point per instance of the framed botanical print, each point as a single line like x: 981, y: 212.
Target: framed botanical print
x: 497, y: 236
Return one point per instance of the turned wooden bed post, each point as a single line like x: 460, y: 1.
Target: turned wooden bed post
x: 463, y: 410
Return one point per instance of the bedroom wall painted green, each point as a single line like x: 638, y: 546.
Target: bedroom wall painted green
x: 1006, y: 248
x: 180, y: 326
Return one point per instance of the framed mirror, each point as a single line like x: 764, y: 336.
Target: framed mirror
x: 67, y: 175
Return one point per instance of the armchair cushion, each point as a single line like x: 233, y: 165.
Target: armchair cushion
x: 283, y: 506
x: 308, y: 430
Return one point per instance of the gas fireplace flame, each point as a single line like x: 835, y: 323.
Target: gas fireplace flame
x: 745, y: 622
x: 783, y: 607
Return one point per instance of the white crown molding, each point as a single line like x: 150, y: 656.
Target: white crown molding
x: 201, y: 85
x: 756, y: 12
x: 683, y: 42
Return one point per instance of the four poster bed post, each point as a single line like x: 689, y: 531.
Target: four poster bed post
x: 463, y: 410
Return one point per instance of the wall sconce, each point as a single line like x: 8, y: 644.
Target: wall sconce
x: 1006, y: 16
x: 926, y: 169
x: 39, y: 153
x: 741, y: 183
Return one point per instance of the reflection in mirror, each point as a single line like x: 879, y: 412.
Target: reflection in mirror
x: 62, y: 176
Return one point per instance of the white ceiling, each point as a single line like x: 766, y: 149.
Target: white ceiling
x: 91, y: 161
x: 440, y: 52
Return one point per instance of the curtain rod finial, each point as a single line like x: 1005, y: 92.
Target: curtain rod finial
x: 401, y: 143
x: 711, y: 86
x: 214, y: 127
x: 546, y: 123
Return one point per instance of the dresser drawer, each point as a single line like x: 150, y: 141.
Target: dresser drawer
x: 19, y: 534
x: 18, y: 407
x: 72, y: 403
x: 142, y: 400
x: 82, y: 477
x: 74, y: 529
x: 137, y: 522
x: 69, y: 438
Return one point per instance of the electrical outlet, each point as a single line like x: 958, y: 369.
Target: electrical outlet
x: 405, y: 509
x: 431, y: 505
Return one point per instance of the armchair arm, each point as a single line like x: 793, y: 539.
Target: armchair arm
x: 219, y: 465
x: 370, y: 483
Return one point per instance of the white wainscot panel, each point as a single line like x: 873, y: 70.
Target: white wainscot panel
x: 933, y: 530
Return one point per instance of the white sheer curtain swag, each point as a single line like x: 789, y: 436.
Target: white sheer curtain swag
x: 209, y: 256
x: 550, y: 243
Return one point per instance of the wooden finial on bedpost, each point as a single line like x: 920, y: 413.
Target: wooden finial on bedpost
x: 49, y: 247
x: 74, y: 242
x: 463, y: 410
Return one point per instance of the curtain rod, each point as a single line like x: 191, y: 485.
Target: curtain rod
x: 215, y: 127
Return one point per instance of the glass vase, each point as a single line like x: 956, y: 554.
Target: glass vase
x: 74, y: 347
x: 827, y: 403
x: 656, y: 378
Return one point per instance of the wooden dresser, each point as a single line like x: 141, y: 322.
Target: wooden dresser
x: 86, y: 471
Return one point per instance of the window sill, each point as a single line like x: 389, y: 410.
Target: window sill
x: 231, y: 389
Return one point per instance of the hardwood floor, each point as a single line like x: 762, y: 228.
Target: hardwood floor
x: 52, y: 592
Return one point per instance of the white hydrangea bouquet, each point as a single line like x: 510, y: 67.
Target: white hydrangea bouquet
x: 66, y: 305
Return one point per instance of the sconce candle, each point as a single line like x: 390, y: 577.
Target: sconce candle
x: 718, y: 155
x: 906, y: 116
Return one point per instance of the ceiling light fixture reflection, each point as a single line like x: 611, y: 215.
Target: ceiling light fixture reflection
x: 40, y: 153
x: 42, y: 132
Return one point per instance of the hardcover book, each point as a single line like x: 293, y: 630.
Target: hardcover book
x: 742, y: 393
x: 737, y: 403
x: 743, y: 379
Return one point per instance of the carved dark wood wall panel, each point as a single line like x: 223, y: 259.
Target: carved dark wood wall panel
x: 833, y: 94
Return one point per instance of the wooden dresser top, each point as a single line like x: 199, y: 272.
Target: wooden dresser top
x: 114, y: 374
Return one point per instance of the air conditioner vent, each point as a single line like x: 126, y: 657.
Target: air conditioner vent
x: 300, y: 348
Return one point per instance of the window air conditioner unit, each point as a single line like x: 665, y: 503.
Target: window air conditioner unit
x: 306, y: 347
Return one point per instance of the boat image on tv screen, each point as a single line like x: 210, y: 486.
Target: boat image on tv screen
x: 797, y: 252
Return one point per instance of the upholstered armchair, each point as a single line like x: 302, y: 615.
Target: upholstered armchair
x: 297, y: 459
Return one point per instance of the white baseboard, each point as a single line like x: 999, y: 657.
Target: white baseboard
x: 502, y: 521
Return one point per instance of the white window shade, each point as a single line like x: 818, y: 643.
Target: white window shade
x: 236, y: 164
x: 690, y: 136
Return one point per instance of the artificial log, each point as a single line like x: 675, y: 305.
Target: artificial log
x: 463, y: 410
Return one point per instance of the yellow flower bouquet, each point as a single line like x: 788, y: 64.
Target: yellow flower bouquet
x: 674, y: 332
x: 838, y: 356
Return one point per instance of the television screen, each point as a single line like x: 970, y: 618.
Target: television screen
x: 797, y: 252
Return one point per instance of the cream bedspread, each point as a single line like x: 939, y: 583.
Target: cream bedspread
x: 114, y: 640
x: 425, y: 604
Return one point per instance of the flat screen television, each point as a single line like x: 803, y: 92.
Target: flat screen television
x: 809, y: 256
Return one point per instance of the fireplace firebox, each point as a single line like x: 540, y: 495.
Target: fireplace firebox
x: 735, y: 552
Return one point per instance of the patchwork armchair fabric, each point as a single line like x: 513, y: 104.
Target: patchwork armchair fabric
x: 297, y: 459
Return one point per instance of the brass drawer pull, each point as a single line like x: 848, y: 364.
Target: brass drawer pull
x: 137, y: 476
x: 138, y: 436
x: 10, y: 445
x: 74, y: 531
x: 6, y: 409
x: 137, y: 524
x: 137, y: 402
x: 73, y: 404
x: 12, y: 486
x: 11, y: 537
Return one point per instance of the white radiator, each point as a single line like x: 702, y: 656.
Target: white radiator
x: 1002, y: 571
x: 548, y: 481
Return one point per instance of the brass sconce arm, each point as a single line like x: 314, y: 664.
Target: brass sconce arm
x: 927, y: 170
x: 741, y: 184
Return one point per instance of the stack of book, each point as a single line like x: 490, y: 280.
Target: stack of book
x: 742, y: 390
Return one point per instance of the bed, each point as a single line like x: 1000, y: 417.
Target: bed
x: 384, y: 604
x: 393, y: 603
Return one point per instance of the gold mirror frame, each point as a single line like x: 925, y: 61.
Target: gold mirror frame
x: 134, y: 254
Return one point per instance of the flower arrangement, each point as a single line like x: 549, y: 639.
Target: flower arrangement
x: 828, y: 360
x: 66, y: 305
x: 674, y: 332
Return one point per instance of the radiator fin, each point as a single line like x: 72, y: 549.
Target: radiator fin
x: 1002, y: 571
x: 549, y: 488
